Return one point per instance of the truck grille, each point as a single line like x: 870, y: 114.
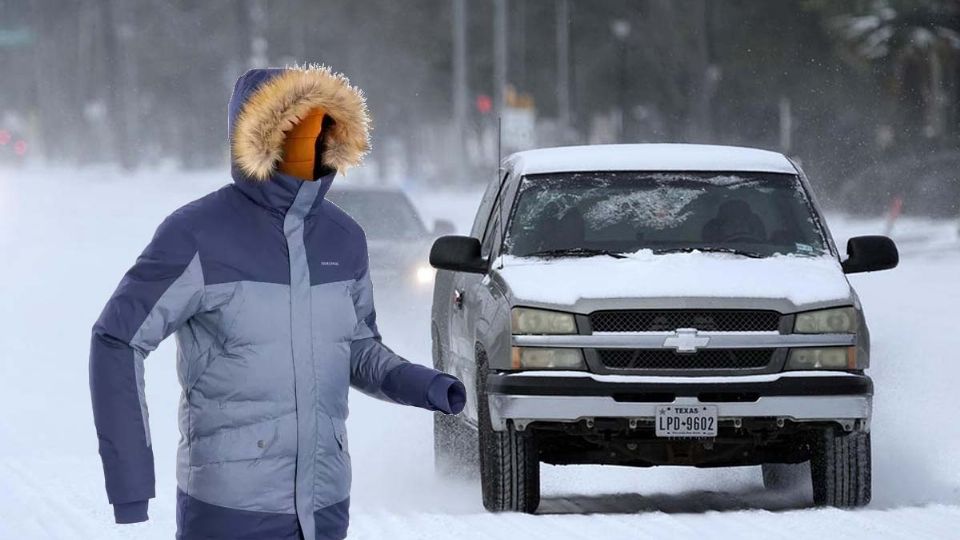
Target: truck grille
x: 665, y: 359
x: 670, y: 320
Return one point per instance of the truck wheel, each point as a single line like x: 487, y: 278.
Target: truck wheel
x: 509, y: 462
x: 785, y: 476
x: 840, y: 468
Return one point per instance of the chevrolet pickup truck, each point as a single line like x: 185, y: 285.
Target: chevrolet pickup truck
x: 647, y: 305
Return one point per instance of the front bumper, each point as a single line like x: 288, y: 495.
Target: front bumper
x: 799, y: 396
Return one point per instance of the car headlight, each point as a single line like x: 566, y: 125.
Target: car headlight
x: 541, y: 321
x: 827, y: 321
x: 423, y: 274
x: 542, y: 358
x: 822, y: 358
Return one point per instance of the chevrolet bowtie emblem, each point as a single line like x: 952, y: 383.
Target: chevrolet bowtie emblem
x: 686, y: 340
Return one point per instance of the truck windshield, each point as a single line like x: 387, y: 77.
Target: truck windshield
x: 578, y: 214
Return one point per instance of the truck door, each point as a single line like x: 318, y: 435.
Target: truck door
x: 465, y: 297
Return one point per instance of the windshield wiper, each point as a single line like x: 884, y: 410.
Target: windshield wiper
x: 704, y: 249
x: 575, y: 252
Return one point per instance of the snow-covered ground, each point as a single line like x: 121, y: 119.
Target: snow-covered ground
x: 67, y: 237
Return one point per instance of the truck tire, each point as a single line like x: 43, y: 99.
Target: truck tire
x: 840, y: 468
x: 785, y: 476
x: 509, y: 462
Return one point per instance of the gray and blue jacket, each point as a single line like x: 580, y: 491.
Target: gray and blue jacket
x: 266, y: 286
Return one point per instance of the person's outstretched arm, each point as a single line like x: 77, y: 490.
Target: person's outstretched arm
x: 155, y: 297
x: 379, y: 372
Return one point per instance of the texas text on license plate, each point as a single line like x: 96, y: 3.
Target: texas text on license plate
x: 686, y: 421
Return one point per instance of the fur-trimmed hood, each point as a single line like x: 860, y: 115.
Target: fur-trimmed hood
x: 268, y: 102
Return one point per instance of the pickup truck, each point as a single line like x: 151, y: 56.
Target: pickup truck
x: 654, y: 304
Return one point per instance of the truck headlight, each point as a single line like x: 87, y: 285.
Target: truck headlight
x: 423, y: 274
x: 542, y: 358
x: 827, y: 321
x: 822, y: 358
x: 541, y: 321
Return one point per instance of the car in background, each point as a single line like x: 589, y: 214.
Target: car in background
x: 397, y: 240
x: 647, y: 305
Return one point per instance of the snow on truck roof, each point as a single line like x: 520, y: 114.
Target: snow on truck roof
x: 649, y: 157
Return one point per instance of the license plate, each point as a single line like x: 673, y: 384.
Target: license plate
x: 686, y: 421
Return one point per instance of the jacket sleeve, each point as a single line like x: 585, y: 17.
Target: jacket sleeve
x: 378, y: 371
x: 155, y: 297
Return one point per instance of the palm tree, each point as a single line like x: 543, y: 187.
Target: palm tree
x: 917, y: 44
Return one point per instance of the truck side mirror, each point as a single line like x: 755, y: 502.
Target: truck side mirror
x: 458, y: 253
x: 869, y: 254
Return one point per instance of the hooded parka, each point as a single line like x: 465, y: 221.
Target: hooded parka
x: 266, y: 286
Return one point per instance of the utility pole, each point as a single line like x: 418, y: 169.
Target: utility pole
x: 119, y: 48
x: 299, y: 31
x: 563, y: 63
x: 45, y: 84
x: 621, y: 31
x: 705, y: 75
x: 460, y: 90
x: 258, y: 34
x: 786, y: 125
x: 519, y: 40
x: 500, y: 54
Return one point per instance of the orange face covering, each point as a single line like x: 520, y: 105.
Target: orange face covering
x: 300, y: 146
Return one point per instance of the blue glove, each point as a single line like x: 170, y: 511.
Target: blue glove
x: 447, y: 394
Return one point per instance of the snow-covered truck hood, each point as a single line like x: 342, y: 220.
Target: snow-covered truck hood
x: 680, y: 280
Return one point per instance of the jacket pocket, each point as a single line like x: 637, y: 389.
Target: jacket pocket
x: 334, y: 314
x: 349, y: 309
x: 268, y: 439
x: 340, y: 433
x: 333, y: 475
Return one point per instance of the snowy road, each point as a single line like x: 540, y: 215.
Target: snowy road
x: 67, y: 238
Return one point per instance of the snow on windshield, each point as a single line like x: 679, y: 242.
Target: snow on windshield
x: 758, y: 213
x: 657, y: 208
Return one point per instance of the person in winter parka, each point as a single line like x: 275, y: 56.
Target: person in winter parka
x: 266, y: 285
